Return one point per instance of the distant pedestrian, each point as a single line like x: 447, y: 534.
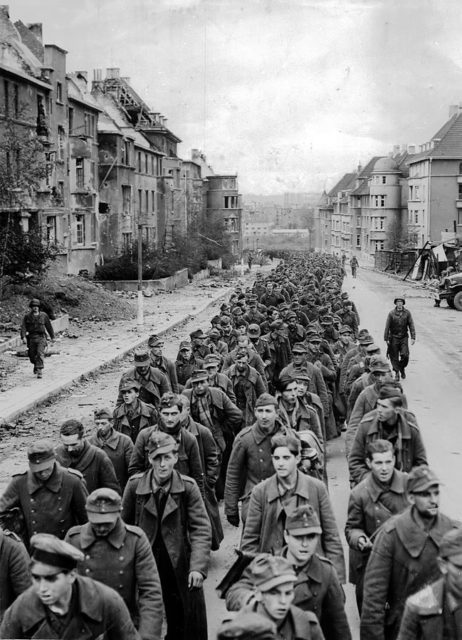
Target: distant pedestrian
x: 34, y: 329
x: 354, y: 264
x: 397, y: 329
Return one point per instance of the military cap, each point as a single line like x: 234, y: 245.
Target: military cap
x: 303, y: 520
x: 268, y: 571
x: 284, y: 380
x: 313, y: 336
x: 344, y: 294
x: 128, y: 384
x: 40, y: 455
x: 302, y: 376
x: 372, y: 348
x: 213, y: 332
x: 101, y: 414
x: 169, y: 399
x: 390, y: 390
x: 215, y: 320
x: 347, y: 303
x: 198, y: 333
x: 198, y: 375
x: 212, y: 359
x: 363, y: 332
x: 327, y: 319
x: 420, y: 479
x: 253, y: 298
x: 276, y: 324
x: 54, y: 552
x: 253, y: 330
x: 247, y: 625
x: 185, y: 344
x: 34, y: 303
x: 451, y: 545
x: 266, y: 399
x: 160, y: 443
x: 142, y: 358
x: 225, y: 320
x: 103, y: 505
x: 240, y: 322
x: 299, y: 347
x: 365, y: 339
x: 403, y: 300
x: 155, y: 341
x: 379, y: 363
x: 345, y: 329
x: 291, y: 315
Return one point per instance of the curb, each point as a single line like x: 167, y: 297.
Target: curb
x: 5, y: 419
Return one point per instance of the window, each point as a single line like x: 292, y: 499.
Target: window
x: 384, y: 179
x: 61, y: 140
x: 59, y: 92
x: 140, y: 200
x: 416, y: 192
x: 153, y: 166
x: 6, y: 95
x: 139, y: 161
x: 70, y: 116
x: 90, y: 123
x: 153, y: 201
x: 358, y: 240
x: 126, y: 199
x: 80, y: 229
x: 51, y: 229
x: 460, y: 191
x: 460, y: 168
x: 79, y: 173
x: 146, y: 160
x: 127, y: 239
x: 125, y: 152
x: 230, y: 202
x: 381, y: 223
x: 146, y: 197
x: 411, y: 192
x: 416, y: 217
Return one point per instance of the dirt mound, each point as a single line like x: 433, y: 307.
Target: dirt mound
x: 82, y: 299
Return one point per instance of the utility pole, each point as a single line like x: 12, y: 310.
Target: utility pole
x: 140, y: 314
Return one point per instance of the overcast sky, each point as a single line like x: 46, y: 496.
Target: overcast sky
x: 291, y: 94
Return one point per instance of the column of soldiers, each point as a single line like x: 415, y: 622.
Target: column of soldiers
x: 109, y: 533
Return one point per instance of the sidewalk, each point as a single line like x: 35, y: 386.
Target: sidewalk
x: 96, y: 345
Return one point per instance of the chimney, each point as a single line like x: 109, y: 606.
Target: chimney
x: 83, y: 75
x: 97, y: 75
x: 112, y: 73
x: 359, y: 168
x: 36, y: 29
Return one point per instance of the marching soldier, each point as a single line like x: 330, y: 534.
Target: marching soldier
x: 62, y: 604
x: 120, y: 556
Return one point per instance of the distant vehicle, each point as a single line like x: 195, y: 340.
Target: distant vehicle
x: 451, y: 291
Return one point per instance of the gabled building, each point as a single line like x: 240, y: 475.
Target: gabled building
x: 435, y: 184
x: 341, y: 229
x: 38, y: 98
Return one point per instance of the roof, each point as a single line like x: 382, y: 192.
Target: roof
x: 385, y: 165
x: 369, y: 168
x: 77, y: 91
x: 362, y: 189
x: 344, y: 183
x: 446, y: 143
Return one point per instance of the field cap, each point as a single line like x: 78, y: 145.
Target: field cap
x: 303, y: 520
x: 266, y: 399
x: 40, y: 455
x: 54, y: 552
x: 142, y: 358
x: 103, y: 505
x: 269, y: 571
x: 160, y: 443
x: 451, y: 546
x: 420, y: 479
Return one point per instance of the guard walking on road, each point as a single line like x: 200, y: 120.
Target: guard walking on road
x: 35, y: 326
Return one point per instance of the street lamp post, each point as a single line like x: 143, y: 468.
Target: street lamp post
x: 140, y: 314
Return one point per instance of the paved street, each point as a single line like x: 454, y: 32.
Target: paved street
x: 433, y: 390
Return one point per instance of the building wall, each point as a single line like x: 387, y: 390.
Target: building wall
x: 223, y: 203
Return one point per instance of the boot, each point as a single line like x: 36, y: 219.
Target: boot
x: 39, y: 373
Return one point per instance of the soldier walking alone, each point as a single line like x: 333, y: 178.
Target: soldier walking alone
x: 35, y: 326
x: 399, y: 324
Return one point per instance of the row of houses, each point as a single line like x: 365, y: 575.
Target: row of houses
x: 404, y: 200
x: 112, y: 164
